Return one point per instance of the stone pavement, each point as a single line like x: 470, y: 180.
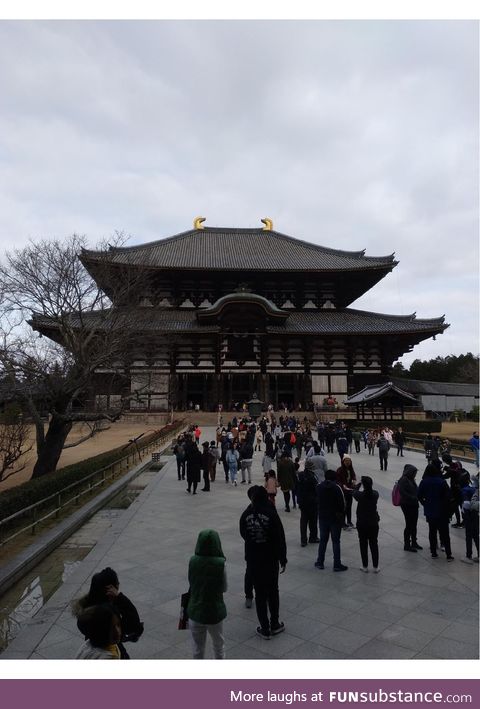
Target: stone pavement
x: 415, y: 607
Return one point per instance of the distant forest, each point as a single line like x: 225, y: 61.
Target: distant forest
x: 453, y: 368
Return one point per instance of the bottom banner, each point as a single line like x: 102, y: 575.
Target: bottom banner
x: 224, y: 693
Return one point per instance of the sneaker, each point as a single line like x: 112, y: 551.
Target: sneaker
x: 248, y: 602
x: 187, y: 490
x: 364, y: 569
x: 287, y: 509
x: 456, y: 525
x: 410, y: 549
x: 249, y: 482
x: 350, y: 525
x: 467, y: 560
x: 376, y: 570
x: 417, y: 547
x: 313, y: 541
x: 342, y: 567
x: 265, y: 634
x: 235, y: 483
x: 303, y: 544
x: 435, y: 556
x: 318, y: 565
x: 475, y: 559
x: 243, y: 482
x: 450, y: 558
x: 277, y: 629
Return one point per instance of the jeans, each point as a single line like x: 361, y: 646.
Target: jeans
x: 233, y: 469
x: 308, y: 517
x: 400, y: 449
x: 199, y: 639
x: 348, y: 506
x: 181, y: 469
x: 383, y: 461
x: 410, y: 512
x: 470, y: 518
x: 368, y: 537
x: 440, y: 525
x: 327, y: 529
x: 248, y: 583
x: 265, y: 582
x: 246, y: 465
x: 286, y: 497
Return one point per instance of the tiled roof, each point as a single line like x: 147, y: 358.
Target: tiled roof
x: 324, y: 322
x: 417, y: 386
x: 377, y: 391
x: 218, y: 248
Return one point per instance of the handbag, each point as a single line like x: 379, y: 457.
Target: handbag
x: 183, y: 619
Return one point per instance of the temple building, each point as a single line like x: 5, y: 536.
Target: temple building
x: 226, y: 312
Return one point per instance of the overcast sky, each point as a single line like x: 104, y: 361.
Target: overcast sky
x: 349, y: 134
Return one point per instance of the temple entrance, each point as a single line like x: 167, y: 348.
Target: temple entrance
x: 195, y: 390
x: 241, y: 385
x: 282, y: 390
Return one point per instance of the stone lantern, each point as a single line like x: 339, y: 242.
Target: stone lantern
x: 255, y: 406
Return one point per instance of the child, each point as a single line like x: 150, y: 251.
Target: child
x: 271, y: 485
x: 101, y: 627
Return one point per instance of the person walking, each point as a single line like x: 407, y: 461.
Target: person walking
x: 101, y: 627
x: 342, y: 443
x: 179, y: 453
x: 409, y: 505
x: 232, y: 457
x: 246, y: 458
x: 206, y: 466
x: 383, y: 447
x: 307, y: 502
x: 208, y: 582
x: 286, y: 477
x: 357, y: 437
x: 469, y: 489
x: 194, y: 466
x: 367, y: 521
x: 214, y: 457
x: 347, y: 479
x: 266, y: 554
x: 317, y: 461
x: 331, y: 513
x: 434, y: 495
x: 399, y: 439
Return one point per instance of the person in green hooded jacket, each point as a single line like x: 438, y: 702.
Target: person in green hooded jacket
x: 208, y: 582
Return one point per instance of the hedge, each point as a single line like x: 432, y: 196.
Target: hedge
x: 27, y: 493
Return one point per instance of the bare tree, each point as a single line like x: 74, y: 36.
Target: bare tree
x: 13, y: 446
x: 46, y: 286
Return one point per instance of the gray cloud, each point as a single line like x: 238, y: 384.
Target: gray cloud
x: 349, y: 134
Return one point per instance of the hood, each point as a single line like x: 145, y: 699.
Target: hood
x: 208, y: 544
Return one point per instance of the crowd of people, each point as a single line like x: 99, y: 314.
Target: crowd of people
x: 293, y: 464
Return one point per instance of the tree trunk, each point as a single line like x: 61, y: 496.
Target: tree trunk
x: 49, y: 455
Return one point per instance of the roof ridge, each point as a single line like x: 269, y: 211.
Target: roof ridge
x: 246, y: 230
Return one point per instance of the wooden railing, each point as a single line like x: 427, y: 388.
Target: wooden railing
x: 73, y: 494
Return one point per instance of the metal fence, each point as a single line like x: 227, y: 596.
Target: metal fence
x: 51, y: 506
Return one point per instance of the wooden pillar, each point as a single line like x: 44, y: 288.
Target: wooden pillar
x: 230, y: 391
x: 205, y: 396
x: 276, y: 391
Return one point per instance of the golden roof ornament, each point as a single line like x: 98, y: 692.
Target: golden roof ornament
x: 198, y: 221
x: 268, y: 224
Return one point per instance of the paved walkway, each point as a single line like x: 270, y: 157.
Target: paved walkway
x: 415, y: 608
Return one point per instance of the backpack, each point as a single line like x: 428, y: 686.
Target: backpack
x: 293, y: 440
x: 396, y: 497
x: 383, y: 445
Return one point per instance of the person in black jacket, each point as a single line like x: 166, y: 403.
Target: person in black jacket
x: 206, y: 466
x: 194, y: 465
x: 307, y: 501
x: 409, y: 505
x: 104, y: 590
x: 331, y: 511
x: 367, y: 521
x: 265, y: 553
